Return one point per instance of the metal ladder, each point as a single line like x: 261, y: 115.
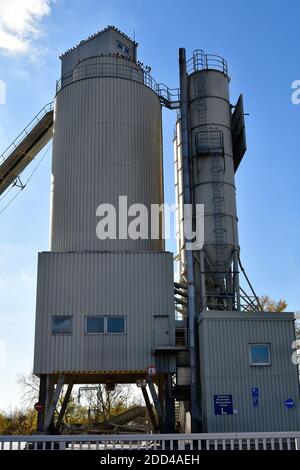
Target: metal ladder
x: 217, y: 171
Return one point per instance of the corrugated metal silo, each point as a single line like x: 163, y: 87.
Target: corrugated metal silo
x: 107, y: 143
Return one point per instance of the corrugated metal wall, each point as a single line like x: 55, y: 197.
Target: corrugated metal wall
x: 107, y: 142
x: 225, y: 369
x: 138, y: 286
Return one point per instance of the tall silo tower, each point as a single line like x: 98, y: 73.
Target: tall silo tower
x: 105, y: 307
x: 235, y: 349
x: 107, y: 142
x: 216, y: 141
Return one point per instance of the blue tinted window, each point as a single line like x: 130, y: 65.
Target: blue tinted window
x: 95, y: 325
x: 115, y: 325
x: 62, y: 324
x: 260, y: 354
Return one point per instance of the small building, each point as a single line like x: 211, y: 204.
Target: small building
x: 249, y: 381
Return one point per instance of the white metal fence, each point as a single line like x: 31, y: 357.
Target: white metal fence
x: 156, y: 442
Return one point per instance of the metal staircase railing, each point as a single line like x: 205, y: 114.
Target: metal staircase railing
x: 46, y: 109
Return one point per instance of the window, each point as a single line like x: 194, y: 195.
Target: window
x: 95, y: 324
x: 62, y: 325
x: 100, y: 324
x: 260, y: 354
x: 115, y: 325
x: 123, y: 48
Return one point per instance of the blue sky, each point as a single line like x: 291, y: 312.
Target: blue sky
x: 259, y: 39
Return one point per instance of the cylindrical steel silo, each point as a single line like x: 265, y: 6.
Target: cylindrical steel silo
x: 212, y: 163
x: 212, y: 178
x: 107, y: 143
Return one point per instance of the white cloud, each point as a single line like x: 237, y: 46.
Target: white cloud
x: 20, y: 24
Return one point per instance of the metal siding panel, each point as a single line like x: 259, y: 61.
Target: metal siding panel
x: 137, y: 285
x: 226, y: 370
x: 107, y: 142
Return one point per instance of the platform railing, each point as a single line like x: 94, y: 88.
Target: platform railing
x: 156, y: 442
x: 126, y: 71
x: 201, y: 61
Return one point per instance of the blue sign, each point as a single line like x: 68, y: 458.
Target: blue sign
x: 255, y: 395
x: 289, y: 403
x: 223, y: 404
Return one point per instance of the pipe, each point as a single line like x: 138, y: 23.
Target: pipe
x: 237, y: 281
x: 247, y: 299
x: 250, y: 285
x: 187, y: 199
x: 203, y: 286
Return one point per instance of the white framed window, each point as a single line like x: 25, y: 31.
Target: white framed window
x: 62, y: 324
x: 260, y: 354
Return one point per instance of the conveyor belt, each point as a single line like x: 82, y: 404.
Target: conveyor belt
x: 26, y: 146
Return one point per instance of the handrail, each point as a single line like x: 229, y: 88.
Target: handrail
x: 206, y: 441
x: 201, y: 61
x: 48, y: 107
x: 166, y: 94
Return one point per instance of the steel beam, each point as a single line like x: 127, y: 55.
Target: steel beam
x: 53, y: 402
x: 64, y: 406
x: 149, y: 409
x: 42, y: 401
x: 157, y: 403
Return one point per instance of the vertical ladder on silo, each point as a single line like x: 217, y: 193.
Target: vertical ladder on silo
x: 217, y: 171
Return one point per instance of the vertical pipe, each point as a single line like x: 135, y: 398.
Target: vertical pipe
x: 203, y: 287
x: 237, y: 281
x: 187, y: 199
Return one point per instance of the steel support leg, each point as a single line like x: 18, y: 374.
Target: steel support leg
x: 53, y: 403
x: 157, y: 404
x: 42, y: 401
x: 64, y: 406
x: 150, y: 409
x: 169, y: 407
